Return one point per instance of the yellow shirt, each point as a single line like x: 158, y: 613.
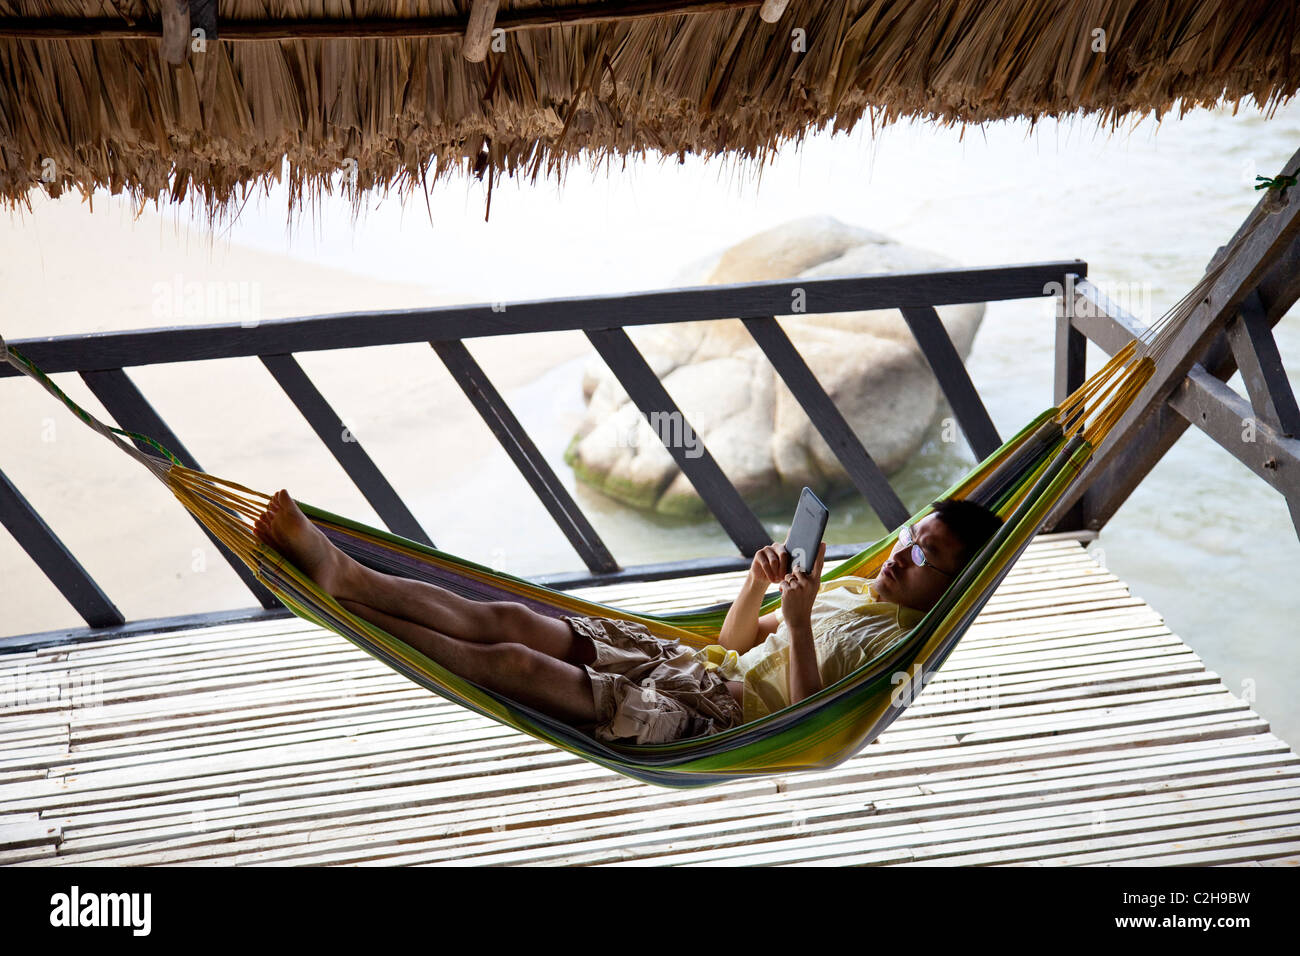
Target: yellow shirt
x: 849, y: 626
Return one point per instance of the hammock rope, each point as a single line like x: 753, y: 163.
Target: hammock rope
x: 1021, y: 481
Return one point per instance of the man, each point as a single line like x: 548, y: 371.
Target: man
x: 823, y: 632
x: 611, y: 677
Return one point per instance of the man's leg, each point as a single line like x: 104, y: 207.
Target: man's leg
x: 484, y: 622
x: 513, y: 670
x: 479, y: 622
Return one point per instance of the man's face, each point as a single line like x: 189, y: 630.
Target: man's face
x: 902, y: 582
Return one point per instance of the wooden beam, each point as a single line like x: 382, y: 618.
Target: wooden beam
x: 1102, y: 320
x: 671, y: 570
x: 145, y: 626
x: 1221, y: 413
x: 74, y: 353
x: 485, y: 398
x: 839, y: 435
x: 1257, y: 355
x: 1248, y: 266
x: 347, y: 450
x: 1105, y: 323
x: 1070, y: 373
x: 478, y: 31
x: 1071, y: 347
x: 132, y: 411
x: 304, y: 28
x: 50, y: 554
x: 649, y: 394
x: 930, y: 334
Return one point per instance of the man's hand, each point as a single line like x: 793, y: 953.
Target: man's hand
x: 799, y: 590
x: 768, y: 565
x: 743, y: 627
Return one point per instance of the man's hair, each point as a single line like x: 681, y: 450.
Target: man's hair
x: 972, y: 524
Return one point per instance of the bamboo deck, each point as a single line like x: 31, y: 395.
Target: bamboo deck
x: 279, y: 743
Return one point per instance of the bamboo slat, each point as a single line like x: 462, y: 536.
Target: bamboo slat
x: 274, y: 743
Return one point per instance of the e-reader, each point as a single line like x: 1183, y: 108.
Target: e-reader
x: 806, y: 530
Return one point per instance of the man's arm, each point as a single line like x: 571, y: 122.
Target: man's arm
x: 805, y: 679
x: 743, y: 628
x: 740, y: 629
x: 797, y: 595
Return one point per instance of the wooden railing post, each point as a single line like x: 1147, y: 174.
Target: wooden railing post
x: 1070, y: 373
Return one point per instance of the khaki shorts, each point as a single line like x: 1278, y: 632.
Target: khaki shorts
x: 651, y: 689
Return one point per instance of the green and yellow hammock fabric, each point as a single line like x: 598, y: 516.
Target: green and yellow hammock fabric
x: 1021, y: 482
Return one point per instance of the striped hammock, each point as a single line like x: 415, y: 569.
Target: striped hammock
x: 1021, y: 482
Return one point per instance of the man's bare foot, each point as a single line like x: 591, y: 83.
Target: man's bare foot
x: 284, y: 527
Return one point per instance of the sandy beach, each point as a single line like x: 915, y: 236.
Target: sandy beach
x: 64, y: 270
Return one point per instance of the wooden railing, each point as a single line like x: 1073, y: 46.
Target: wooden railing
x: 1262, y: 430
x: 102, y: 360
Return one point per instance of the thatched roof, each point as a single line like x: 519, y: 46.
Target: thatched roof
x: 86, y: 99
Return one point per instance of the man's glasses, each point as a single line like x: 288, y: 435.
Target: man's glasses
x: 908, y: 540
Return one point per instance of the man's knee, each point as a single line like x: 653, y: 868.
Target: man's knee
x: 518, y: 659
x: 511, y: 620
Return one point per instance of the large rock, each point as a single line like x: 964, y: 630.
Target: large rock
x: 738, y: 406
